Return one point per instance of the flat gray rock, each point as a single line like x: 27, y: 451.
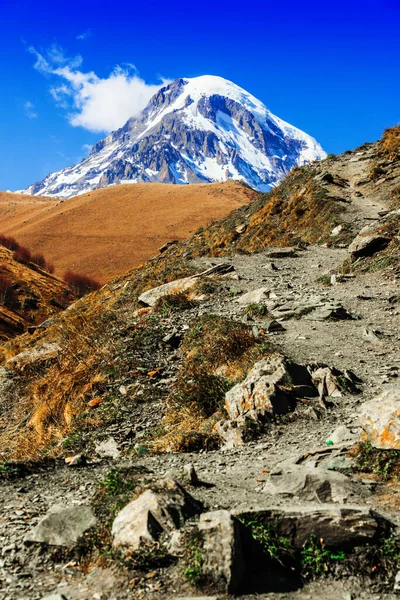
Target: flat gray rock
x: 62, y: 526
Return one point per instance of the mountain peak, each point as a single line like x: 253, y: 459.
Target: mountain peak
x: 199, y: 129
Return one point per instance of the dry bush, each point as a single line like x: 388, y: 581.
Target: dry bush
x: 174, y: 301
x: 81, y: 284
x: 214, y: 341
x: 22, y: 255
x: 8, y: 242
x: 40, y: 261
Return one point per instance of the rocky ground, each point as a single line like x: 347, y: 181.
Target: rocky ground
x: 344, y: 321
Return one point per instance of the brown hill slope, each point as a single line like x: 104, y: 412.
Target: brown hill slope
x: 106, y: 232
x: 28, y: 295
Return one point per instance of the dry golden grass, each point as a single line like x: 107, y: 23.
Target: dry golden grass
x: 217, y: 353
x: 37, y: 292
x: 389, y: 145
x: 109, y: 231
x: 298, y: 210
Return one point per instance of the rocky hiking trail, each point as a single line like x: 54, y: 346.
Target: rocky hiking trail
x: 235, y: 477
x: 298, y: 471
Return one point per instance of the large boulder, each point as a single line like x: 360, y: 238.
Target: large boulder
x: 310, y: 483
x: 263, y: 393
x: 368, y: 242
x: 339, y: 526
x: 380, y: 420
x: 151, y: 297
x: 153, y: 513
x: 223, y: 556
x: 62, y: 526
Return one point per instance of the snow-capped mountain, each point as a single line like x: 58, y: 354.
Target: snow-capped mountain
x: 193, y: 130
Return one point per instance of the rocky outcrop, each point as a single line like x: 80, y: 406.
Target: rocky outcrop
x: 380, y: 420
x: 155, y: 512
x: 367, y: 242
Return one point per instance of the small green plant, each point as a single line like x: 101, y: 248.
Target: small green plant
x: 384, y: 463
x: 324, y: 279
x: 256, y: 310
x: 317, y: 560
x: 278, y: 547
x: 116, y: 483
x: 194, y: 559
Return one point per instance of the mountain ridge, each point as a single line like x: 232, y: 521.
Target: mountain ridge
x: 195, y: 130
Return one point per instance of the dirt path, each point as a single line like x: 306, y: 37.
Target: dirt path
x: 236, y: 477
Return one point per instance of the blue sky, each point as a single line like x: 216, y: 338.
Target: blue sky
x: 70, y: 71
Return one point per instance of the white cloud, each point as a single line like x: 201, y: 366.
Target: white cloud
x: 85, y: 35
x: 94, y: 103
x: 30, y: 111
x: 87, y: 148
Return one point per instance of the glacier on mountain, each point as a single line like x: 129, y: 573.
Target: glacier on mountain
x: 197, y: 130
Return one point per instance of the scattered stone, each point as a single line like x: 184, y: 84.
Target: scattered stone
x: 38, y: 354
x: 173, y: 340
x: 167, y: 245
x: 191, y: 474
x: 282, y: 253
x: 196, y: 598
x: 153, y: 513
x: 232, y: 432
x: 55, y: 597
x: 380, y: 420
x: 224, y: 562
x: 341, y: 434
x: 253, y: 297
x: 332, y: 382
x: 122, y: 390
x: 335, y: 232
x: 62, y: 526
x: 79, y: 460
x: 274, y: 327
x: 271, y: 266
x: 371, y: 336
x: 241, y: 229
x: 108, y: 448
x: 396, y: 586
x: 333, y: 311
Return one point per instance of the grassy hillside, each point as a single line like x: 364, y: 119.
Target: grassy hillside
x: 106, y: 232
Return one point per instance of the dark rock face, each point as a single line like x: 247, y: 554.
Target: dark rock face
x: 192, y: 131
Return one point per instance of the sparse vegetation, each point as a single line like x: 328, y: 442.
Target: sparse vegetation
x: 194, y: 560
x: 384, y: 463
x: 176, y: 301
x: 316, y: 559
x: 256, y: 310
x: 324, y: 280
x: 276, y: 546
